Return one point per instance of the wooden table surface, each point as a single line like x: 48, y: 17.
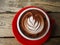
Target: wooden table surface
x: 8, y: 12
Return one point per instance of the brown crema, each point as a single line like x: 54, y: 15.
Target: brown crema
x: 38, y: 17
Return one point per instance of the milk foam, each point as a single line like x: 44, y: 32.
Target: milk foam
x: 33, y: 26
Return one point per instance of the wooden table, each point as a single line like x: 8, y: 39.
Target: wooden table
x: 8, y: 12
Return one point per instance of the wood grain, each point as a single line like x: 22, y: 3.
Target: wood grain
x: 11, y: 41
x: 49, y: 6
x: 6, y: 21
x: 15, y: 5
x: 56, y: 28
x: 53, y: 41
x: 46, y: 0
x: 8, y: 41
x: 6, y: 24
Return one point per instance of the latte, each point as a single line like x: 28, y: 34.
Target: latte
x: 33, y: 24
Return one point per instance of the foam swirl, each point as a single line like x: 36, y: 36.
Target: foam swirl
x: 33, y: 26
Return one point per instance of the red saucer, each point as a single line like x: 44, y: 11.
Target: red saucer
x: 22, y: 39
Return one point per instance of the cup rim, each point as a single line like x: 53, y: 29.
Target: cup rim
x: 19, y: 30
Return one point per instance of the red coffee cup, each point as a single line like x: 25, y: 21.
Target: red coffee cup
x: 21, y: 36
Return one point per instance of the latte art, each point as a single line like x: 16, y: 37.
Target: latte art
x: 33, y: 26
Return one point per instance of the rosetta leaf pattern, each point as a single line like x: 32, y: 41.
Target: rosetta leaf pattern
x: 32, y: 24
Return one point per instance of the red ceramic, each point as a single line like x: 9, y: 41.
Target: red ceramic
x: 23, y: 39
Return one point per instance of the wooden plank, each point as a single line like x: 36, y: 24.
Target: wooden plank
x: 56, y: 28
x: 5, y: 24
x: 46, y: 0
x: 53, y: 41
x: 8, y: 41
x: 11, y: 41
x: 15, y: 5
x: 6, y: 21
x: 49, y: 6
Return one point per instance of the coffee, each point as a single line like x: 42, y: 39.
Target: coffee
x: 33, y: 23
